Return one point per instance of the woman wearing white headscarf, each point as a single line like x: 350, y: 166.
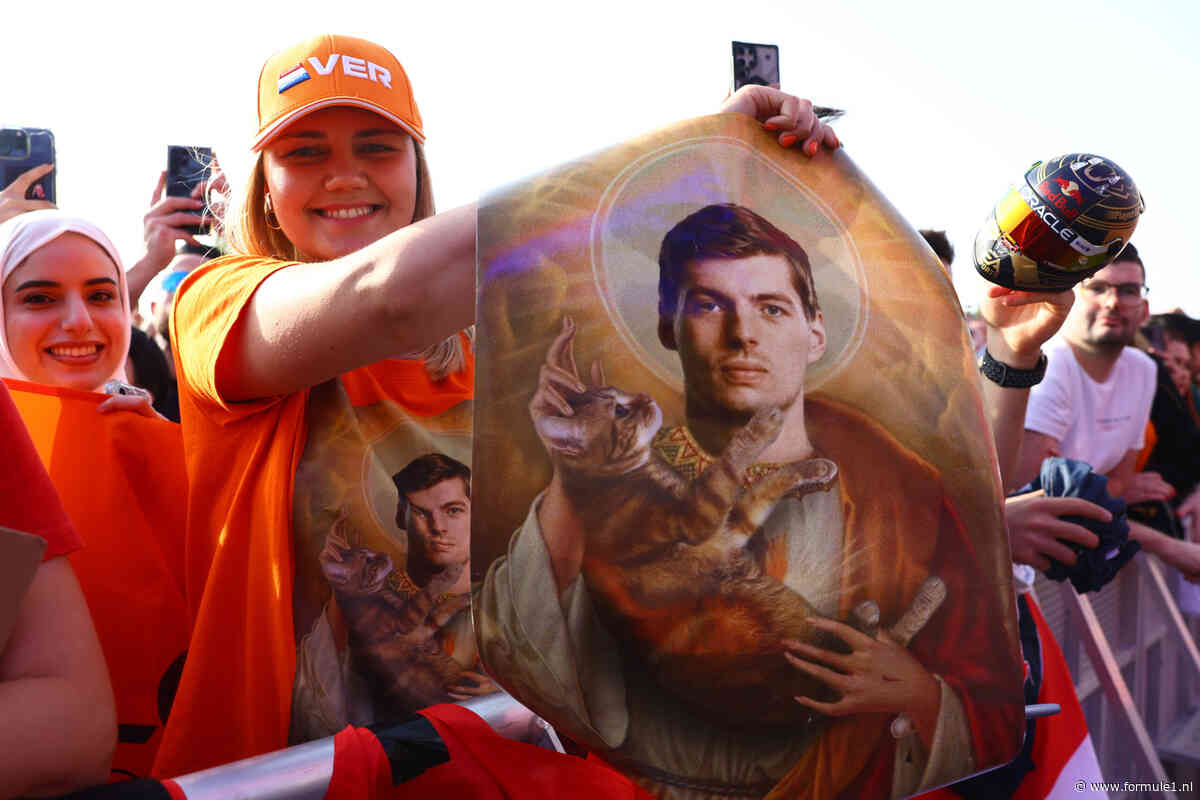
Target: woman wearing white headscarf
x: 65, y: 324
x: 65, y: 316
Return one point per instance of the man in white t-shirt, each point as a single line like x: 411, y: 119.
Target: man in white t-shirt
x: 1094, y: 402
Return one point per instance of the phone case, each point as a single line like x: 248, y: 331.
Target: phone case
x: 755, y: 64
x: 187, y: 168
x: 22, y: 149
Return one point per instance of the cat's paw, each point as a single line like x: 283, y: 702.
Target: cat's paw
x: 758, y: 434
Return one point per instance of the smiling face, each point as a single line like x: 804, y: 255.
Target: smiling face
x: 439, y: 523
x: 743, y: 338
x: 63, y: 318
x: 339, y: 179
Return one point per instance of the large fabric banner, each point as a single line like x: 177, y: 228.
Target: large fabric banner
x: 122, y: 482
x: 737, y: 512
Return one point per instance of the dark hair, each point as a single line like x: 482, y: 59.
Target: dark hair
x: 426, y: 471
x: 1155, y: 334
x: 150, y: 366
x: 1130, y: 253
x: 940, y: 244
x: 728, y: 231
x: 1179, y: 326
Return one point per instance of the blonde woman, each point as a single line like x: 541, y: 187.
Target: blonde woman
x: 326, y: 355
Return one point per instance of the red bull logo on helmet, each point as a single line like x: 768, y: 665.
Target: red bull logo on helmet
x: 1063, y: 195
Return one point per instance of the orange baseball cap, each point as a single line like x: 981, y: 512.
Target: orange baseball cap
x: 331, y: 70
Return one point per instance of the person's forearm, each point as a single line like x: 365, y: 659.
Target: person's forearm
x: 395, y: 297
x: 51, y: 740
x: 1120, y: 478
x: 138, y: 277
x: 58, y: 723
x: 1005, y: 410
x: 1152, y: 541
x: 1181, y: 555
x: 429, y: 278
x: 1029, y: 465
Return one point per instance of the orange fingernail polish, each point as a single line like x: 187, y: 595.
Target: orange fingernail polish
x: 811, y: 148
x: 770, y: 126
x: 788, y: 139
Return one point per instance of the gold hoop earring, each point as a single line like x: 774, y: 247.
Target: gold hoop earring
x: 269, y: 214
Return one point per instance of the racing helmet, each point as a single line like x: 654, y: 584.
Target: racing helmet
x: 1067, y: 219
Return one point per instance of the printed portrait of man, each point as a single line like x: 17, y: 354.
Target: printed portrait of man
x: 395, y: 638
x: 863, y: 538
x: 434, y: 509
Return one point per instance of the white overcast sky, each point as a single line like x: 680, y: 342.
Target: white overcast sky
x: 948, y: 102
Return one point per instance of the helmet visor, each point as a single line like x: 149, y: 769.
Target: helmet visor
x: 1043, y: 236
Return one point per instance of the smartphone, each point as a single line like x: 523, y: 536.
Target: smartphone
x: 22, y: 149
x: 187, y: 168
x: 755, y: 64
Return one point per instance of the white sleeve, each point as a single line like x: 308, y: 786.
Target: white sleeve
x: 949, y: 756
x: 553, y: 656
x: 1050, y: 408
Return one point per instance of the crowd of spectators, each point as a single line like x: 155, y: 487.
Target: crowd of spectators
x: 1120, y: 392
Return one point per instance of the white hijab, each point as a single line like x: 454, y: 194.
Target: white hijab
x: 25, y: 233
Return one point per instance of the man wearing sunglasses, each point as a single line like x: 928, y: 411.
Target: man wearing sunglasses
x: 1094, y: 402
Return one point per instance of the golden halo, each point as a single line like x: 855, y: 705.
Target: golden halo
x: 659, y: 189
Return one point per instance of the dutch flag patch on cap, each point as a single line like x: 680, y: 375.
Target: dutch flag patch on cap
x: 287, y: 80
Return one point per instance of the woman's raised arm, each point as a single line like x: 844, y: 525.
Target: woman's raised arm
x: 399, y: 295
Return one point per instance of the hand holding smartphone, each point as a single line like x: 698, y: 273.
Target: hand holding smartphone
x: 22, y: 150
x: 187, y: 168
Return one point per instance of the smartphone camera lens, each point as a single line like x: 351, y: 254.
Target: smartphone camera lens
x: 13, y: 143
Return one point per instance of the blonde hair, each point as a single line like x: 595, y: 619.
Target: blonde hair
x: 251, y: 233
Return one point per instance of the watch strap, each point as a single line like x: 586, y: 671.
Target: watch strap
x: 1009, y: 377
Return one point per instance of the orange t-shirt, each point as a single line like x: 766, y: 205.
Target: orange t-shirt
x: 121, y: 479
x: 273, y: 658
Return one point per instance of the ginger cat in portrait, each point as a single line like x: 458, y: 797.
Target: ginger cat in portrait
x: 395, y: 635
x: 668, y: 564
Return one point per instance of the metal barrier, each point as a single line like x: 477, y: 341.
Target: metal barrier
x: 1139, y: 682
x: 303, y: 772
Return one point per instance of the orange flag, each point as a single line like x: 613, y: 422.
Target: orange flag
x: 122, y: 481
